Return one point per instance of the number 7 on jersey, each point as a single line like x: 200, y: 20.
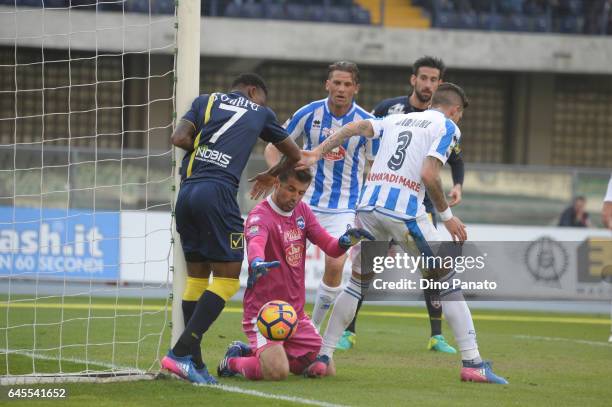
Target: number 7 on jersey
x: 238, y: 112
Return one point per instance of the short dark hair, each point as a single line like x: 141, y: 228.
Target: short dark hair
x: 429, y: 62
x: 304, y: 176
x: 344, y: 66
x: 250, y: 79
x: 579, y: 198
x: 449, y: 94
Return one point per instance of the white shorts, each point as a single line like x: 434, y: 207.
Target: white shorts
x: 413, y: 234
x: 335, y: 223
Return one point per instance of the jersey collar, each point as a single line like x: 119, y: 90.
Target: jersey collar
x: 336, y: 117
x: 277, y: 209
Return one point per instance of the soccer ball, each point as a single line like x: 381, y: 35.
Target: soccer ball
x: 277, y: 320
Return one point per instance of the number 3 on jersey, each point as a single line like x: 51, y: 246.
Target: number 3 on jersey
x: 403, y: 141
x: 238, y: 112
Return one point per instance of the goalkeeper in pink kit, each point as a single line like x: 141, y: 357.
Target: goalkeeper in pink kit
x: 276, y: 232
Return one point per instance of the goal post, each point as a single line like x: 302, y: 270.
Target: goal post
x: 187, y: 88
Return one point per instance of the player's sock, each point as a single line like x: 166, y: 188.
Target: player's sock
x: 342, y: 314
x: 325, y: 297
x: 208, y: 308
x: 434, y: 308
x: 249, y: 367
x: 351, y: 327
x: 194, y: 288
x: 459, y: 318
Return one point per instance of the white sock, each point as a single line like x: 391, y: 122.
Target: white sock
x: 325, y: 297
x: 459, y: 318
x: 341, y: 316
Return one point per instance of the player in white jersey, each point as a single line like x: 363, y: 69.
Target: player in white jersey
x: 606, y: 218
x: 414, y: 147
x: 338, y: 177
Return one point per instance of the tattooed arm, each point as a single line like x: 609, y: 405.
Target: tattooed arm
x: 359, y: 128
x: 430, y: 174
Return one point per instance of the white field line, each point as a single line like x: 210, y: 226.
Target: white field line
x: 71, y: 360
x: 230, y: 389
x: 558, y: 339
x: 292, y: 399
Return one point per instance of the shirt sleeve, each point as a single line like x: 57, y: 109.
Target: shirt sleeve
x: 608, y: 197
x: 372, y: 146
x: 566, y: 218
x: 195, y: 115
x: 319, y: 236
x: 256, y: 235
x: 378, y: 126
x: 445, y: 142
x: 296, y: 124
x: 272, y: 132
x: 380, y: 110
x: 455, y: 160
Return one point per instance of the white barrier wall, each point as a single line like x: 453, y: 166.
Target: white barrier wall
x: 155, y: 248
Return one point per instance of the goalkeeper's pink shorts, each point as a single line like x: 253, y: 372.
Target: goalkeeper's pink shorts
x: 301, y: 349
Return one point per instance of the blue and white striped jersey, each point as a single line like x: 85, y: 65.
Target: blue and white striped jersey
x: 394, y: 184
x: 338, y: 177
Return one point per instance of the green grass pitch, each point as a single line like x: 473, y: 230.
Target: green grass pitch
x: 549, y: 359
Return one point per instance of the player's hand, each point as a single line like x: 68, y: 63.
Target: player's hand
x: 456, y: 228
x: 455, y: 195
x: 263, y: 183
x: 309, y: 158
x: 259, y: 268
x: 353, y: 236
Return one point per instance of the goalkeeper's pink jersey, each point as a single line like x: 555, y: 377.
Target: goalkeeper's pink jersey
x: 272, y: 234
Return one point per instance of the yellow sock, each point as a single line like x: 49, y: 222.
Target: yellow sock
x: 224, y: 287
x: 194, y: 288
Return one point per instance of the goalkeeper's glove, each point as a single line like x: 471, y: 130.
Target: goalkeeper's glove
x: 259, y: 268
x: 352, y: 236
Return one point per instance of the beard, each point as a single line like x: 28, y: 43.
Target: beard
x: 422, y: 98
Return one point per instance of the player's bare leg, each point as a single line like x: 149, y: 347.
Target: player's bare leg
x: 328, y: 289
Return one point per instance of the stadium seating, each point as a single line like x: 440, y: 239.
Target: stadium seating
x: 331, y: 11
x: 562, y: 16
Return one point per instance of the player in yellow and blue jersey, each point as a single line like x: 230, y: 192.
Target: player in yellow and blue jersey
x: 219, y: 132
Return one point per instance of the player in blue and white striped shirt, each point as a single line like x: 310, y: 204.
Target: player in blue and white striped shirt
x: 338, y: 177
x: 413, y: 150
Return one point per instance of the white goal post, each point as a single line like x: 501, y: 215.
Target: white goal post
x: 187, y: 89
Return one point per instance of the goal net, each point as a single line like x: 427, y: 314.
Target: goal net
x: 86, y: 178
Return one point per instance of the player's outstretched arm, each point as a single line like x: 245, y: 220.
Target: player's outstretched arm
x: 358, y: 128
x: 183, y: 135
x: 430, y: 174
x: 271, y: 155
x: 265, y: 180
x: 260, y: 268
